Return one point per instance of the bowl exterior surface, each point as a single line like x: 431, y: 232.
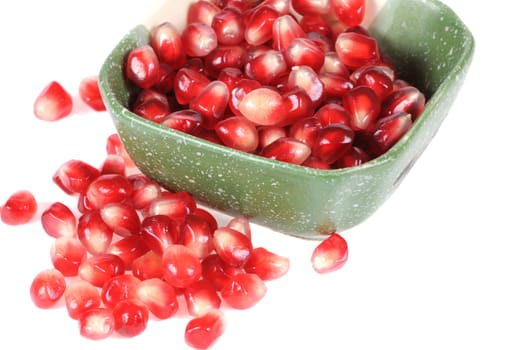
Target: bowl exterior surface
x: 430, y: 47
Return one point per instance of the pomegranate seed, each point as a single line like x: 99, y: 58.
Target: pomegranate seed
x: 131, y: 317
x: 316, y: 163
x: 314, y: 24
x: 53, y: 103
x: 356, y: 50
x: 230, y: 76
x: 239, y: 91
x: 263, y: 106
x: 176, y: 205
x: 196, y: 234
x: 332, y: 113
x: 350, y: 12
x: 149, y: 265
x: 376, y: 78
x: 335, y: 85
x: 243, y: 291
x: 151, y: 105
x: 97, y: 323
x: 93, y: 233
x: 199, y: 39
x: 333, y: 141
x: 115, y: 146
x: 355, y: 156
x: 19, y: 208
x: 267, y: 265
x: 241, y: 224
x: 363, y: 106
x: 330, y: 254
x: 108, y: 188
x: 287, y: 149
x: 165, y: 83
x: 389, y: 130
x: 202, y: 11
x: 118, y: 288
x: 225, y: 56
x: 306, y: 130
x: 129, y: 248
x: 306, y: 78
x: 304, y: 52
x: 159, y: 296
x: 333, y: 64
x: 238, y: 133
x: 211, y: 103
x: 285, y: 30
x: 67, y: 253
x: 311, y: 7
x: 113, y: 164
x: 406, y: 99
x: 81, y: 296
x: 159, y: 232
x: 202, y: 332
x: 201, y: 297
x: 181, y: 266
x: 90, y: 94
x: 47, y: 288
x: 229, y: 26
x: 259, y: 25
x: 232, y: 246
x: 166, y: 43
x: 216, y: 271
x: 144, y: 191
x: 142, y: 67
x: 121, y: 218
x: 267, y: 67
x: 188, y: 83
x: 74, y: 176
x: 207, y: 216
x: 269, y: 134
x: 97, y: 269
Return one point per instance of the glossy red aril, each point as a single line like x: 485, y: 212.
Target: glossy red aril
x: 196, y: 234
x: 211, y: 102
x: 232, y: 246
x: 304, y: 52
x: 216, y: 271
x: 229, y: 26
x: 305, y: 130
x: 238, y: 133
x: 331, y: 254
x: 166, y: 43
x: 406, y: 99
x: 335, y: 85
x: 243, y: 291
x: 19, y: 208
x: 285, y: 30
x: 108, y: 188
x: 117, y: 288
x: 131, y: 317
x: 287, y: 149
x: 332, y: 142
x: 188, y: 83
x: 158, y: 296
x: 129, y: 248
x: 142, y: 67
x: 90, y: 94
x: 144, y: 191
x: 297, y: 105
x: 151, y: 105
x: 306, y: 78
x: 66, y: 254
x: 332, y: 113
x: 115, y: 146
x: 355, y: 156
x: 267, y: 67
x: 350, y: 12
x: 201, y: 297
x: 389, y: 130
x: 81, y: 296
x: 181, y: 266
x: 378, y: 79
x: 53, y: 103
x: 113, y: 164
x: 148, y: 265
x: 311, y: 7
x: 363, y: 106
x: 93, y: 233
x: 269, y: 134
x: 159, y: 232
x: 241, y: 224
x: 202, y: 11
x: 356, y: 50
x: 97, y: 269
x: 239, y: 91
x: 266, y: 264
x: 259, y: 25
x: 199, y: 39
x: 97, y: 323
x: 47, y: 288
x: 121, y: 218
x: 176, y: 205
x: 263, y: 106
x: 225, y: 56
x: 202, y: 332
x: 74, y: 176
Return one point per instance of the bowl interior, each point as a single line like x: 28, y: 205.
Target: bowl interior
x: 430, y: 47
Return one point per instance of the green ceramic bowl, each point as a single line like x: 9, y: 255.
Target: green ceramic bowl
x: 430, y: 47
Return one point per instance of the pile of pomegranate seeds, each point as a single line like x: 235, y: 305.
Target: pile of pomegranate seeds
x: 308, y: 87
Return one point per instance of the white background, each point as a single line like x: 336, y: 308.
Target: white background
x: 442, y: 265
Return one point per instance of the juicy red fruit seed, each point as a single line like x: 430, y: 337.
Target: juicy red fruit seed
x: 330, y: 255
x: 93, y: 233
x: 389, y: 130
x: 181, y: 266
x: 108, y: 188
x: 266, y: 264
x: 97, y: 323
x: 356, y: 50
x: 232, y: 246
x: 129, y: 248
x: 350, y: 12
x: 142, y: 67
x: 203, y: 331
x: 81, y: 296
x: 159, y: 297
x: 201, y: 297
x: 176, y: 205
x: 243, y: 291
x: 53, y: 103
x: 47, y: 288
x: 121, y: 218
x: 238, y: 133
x: 119, y: 288
x: 149, y: 265
x: 263, y: 106
x: 287, y: 149
x: 131, y: 317
x: 159, y: 232
x: 19, y: 208
x: 67, y: 253
x: 74, y: 176
x: 166, y: 43
x: 199, y: 39
x: 90, y: 93
x: 97, y: 269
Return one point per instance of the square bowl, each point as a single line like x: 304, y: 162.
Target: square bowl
x: 429, y: 46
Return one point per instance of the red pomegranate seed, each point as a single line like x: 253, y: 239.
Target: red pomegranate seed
x: 355, y: 156
x: 115, y: 146
x: 196, y: 234
x: 74, y: 176
x: 188, y: 83
x: 81, y: 296
x: 332, y: 113
x: 229, y: 26
x: 304, y: 52
x: 331, y: 254
x: 230, y: 76
x: 202, y: 11
x: 216, y: 271
x: 166, y: 43
x: 211, y: 103
x: 201, y: 297
x: 285, y: 30
x: 243, y: 291
x: 238, y: 133
x: 306, y: 78
x: 306, y: 130
x: 144, y: 191
x: 186, y: 120
x: 378, y: 79
x: 406, y: 99
x: 151, y: 105
x: 176, y: 205
x: 311, y: 7
x: 333, y: 64
x: 149, y: 265
x: 113, y: 164
x: 389, y: 130
x: 332, y: 142
x: 259, y: 25
x: 131, y: 317
x: 97, y: 323
x: 356, y: 50
x: 202, y: 332
x: 158, y: 296
x: 266, y: 264
x: 93, y: 233
x: 142, y: 67
x: 53, y: 103
x: 241, y: 224
x: 19, y: 208
x: 335, y: 85
x: 239, y: 91
x: 165, y: 83
x: 297, y: 105
x: 129, y: 248
x: 159, y: 232
x: 267, y: 67
x: 118, y: 288
x: 207, y: 216
x: 314, y: 24
x: 67, y: 253
x: 181, y: 266
x: 263, y: 106
x: 121, y: 218
x: 108, y: 188
x: 363, y: 106
x: 90, y: 94
x: 269, y: 134
x: 287, y: 149
x: 232, y: 246
x: 316, y: 163
x: 225, y: 56
x: 97, y: 269
x: 47, y: 288
x: 199, y: 39
x: 350, y: 12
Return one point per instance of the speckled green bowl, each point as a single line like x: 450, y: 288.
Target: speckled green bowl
x: 430, y: 47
